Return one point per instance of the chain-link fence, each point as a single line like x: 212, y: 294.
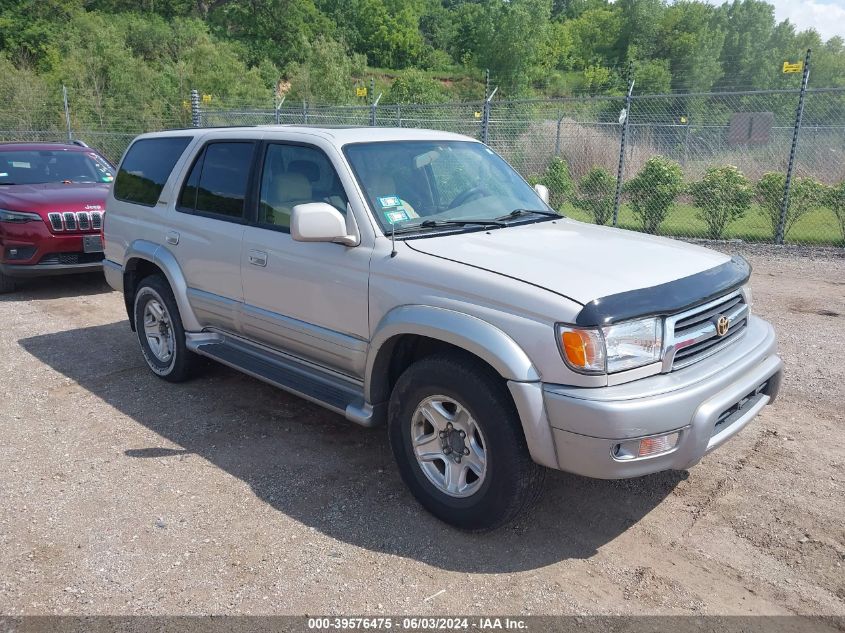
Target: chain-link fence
x: 732, y: 165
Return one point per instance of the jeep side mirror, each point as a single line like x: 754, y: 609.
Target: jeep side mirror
x: 543, y: 192
x: 320, y: 222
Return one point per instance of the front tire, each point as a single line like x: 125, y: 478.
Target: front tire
x: 458, y: 442
x: 160, y: 332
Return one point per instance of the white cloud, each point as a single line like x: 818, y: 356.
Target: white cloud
x: 825, y: 16
x: 828, y: 18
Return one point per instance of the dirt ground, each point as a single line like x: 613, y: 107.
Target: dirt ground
x: 124, y: 494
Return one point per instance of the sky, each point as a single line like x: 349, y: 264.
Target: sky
x: 826, y: 16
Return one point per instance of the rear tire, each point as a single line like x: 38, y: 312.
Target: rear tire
x: 160, y: 332
x: 449, y: 406
x: 7, y: 284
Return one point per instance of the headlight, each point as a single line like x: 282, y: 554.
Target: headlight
x: 746, y: 293
x: 18, y: 217
x: 613, y: 348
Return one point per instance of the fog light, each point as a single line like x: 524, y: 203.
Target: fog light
x: 647, y: 446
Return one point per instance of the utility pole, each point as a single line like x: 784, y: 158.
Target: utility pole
x: 67, y: 114
x: 799, y: 116
x: 624, y: 118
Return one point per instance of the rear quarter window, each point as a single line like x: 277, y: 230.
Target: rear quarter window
x: 146, y: 167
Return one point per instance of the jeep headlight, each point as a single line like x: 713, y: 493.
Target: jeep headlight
x: 612, y: 348
x: 18, y: 217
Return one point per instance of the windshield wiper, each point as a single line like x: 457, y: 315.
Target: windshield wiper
x: 516, y: 213
x: 434, y: 224
x: 483, y: 222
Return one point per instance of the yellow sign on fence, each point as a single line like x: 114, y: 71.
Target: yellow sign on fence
x: 206, y: 99
x: 797, y: 67
x: 361, y: 92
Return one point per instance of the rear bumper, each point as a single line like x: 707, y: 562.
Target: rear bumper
x: 589, y: 425
x: 48, y: 270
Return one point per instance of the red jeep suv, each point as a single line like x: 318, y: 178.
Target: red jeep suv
x: 52, y: 198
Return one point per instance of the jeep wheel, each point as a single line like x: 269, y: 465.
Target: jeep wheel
x: 160, y: 331
x: 459, y: 445
x: 7, y: 284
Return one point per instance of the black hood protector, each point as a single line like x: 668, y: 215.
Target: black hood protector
x: 669, y: 298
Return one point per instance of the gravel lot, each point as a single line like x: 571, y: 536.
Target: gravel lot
x: 123, y: 494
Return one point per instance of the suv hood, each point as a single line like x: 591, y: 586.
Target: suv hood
x: 54, y: 196
x: 579, y: 261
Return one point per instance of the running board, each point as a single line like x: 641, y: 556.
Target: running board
x: 334, y: 392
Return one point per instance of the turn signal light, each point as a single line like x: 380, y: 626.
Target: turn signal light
x: 656, y: 445
x: 582, y: 349
x: 646, y: 446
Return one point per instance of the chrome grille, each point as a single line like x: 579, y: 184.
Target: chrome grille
x: 96, y: 220
x: 70, y: 221
x: 691, y: 336
x: 83, y: 220
x: 56, y: 221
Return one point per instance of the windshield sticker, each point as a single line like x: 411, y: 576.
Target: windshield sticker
x: 20, y: 164
x: 388, y: 202
x: 394, y: 216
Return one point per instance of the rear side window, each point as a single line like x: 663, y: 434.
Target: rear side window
x: 146, y: 167
x: 218, y: 180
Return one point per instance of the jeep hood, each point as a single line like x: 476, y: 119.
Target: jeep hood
x: 53, y: 196
x: 583, y: 262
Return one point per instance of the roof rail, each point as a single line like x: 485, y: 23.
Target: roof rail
x: 76, y: 141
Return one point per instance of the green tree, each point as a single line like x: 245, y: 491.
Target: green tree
x: 836, y: 202
x: 511, y: 38
x: 595, y: 36
x: 805, y: 195
x: 641, y: 20
x: 596, y: 194
x: 325, y: 75
x: 722, y: 196
x: 653, y: 191
x: 691, y: 39
x: 747, y: 52
x: 268, y: 29
x: 414, y: 86
x: 559, y: 181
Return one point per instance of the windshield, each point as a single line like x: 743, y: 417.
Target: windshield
x: 411, y: 182
x: 33, y: 167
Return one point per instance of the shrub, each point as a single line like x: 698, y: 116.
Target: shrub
x: 804, y: 195
x: 722, y: 196
x: 597, y: 190
x: 653, y: 191
x: 559, y: 181
x: 836, y: 202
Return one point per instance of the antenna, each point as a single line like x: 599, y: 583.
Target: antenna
x: 393, y: 239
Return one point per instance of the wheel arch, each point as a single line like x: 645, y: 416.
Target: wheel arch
x: 145, y: 258
x: 448, y: 328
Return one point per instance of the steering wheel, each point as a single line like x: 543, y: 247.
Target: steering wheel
x: 466, y: 196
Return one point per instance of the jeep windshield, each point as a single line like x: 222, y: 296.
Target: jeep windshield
x: 455, y: 185
x: 36, y: 167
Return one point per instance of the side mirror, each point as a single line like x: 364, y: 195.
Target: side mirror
x: 543, y: 192
x: 320, y: 222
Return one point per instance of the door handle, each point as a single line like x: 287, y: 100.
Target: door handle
x: 172, y: 237
x: 258, y: 258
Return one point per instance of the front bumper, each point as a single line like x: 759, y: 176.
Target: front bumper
x: 48, y: 270
x: 588, y: 425
x: 47, y: 253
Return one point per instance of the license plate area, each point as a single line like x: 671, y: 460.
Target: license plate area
x: 92, y: 243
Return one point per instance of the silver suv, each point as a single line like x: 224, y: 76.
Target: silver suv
x: 413, y: 278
